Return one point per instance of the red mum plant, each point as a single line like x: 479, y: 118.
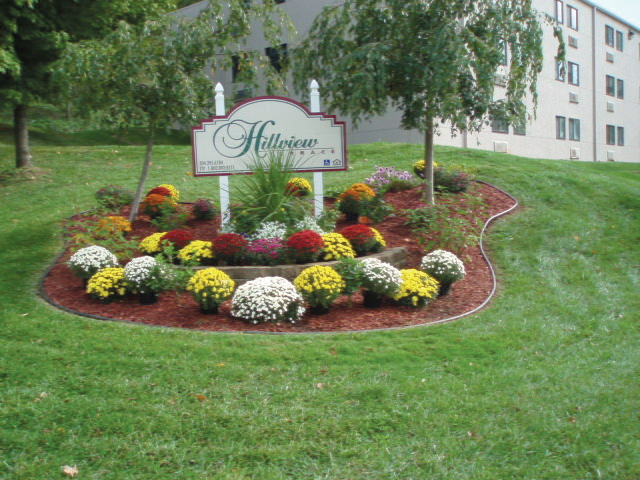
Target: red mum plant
x: 159, y: 191
x: 305, y: 246
x: 177, y: 238
x: 229, y: 248
x: 363, y: 239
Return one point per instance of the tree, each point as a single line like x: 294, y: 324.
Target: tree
x: 156, y: 76
x: 34, y: 36
x: 435, y: 60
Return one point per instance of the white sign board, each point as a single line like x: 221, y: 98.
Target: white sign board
x: 230, y: 144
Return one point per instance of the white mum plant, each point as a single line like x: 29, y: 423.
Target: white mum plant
x: 270, y: 230
x: 380, y: 277
x: 139, y: 272
x: 89, y: 260
x: 445, y: 266
x: 267, y: 299
x: 309, y: 223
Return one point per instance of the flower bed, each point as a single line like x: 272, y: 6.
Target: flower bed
x: 181, y: 311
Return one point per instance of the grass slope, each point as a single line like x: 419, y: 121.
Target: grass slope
x: 541, y: 385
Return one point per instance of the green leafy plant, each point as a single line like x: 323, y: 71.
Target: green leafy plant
x: 350, y: 270
x: 170, y: 217
x: 114, y: 196
x: 436, y: 228
x: 85, y: 232
x: 375, y: 208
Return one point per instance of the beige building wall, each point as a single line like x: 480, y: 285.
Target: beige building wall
x: 585, y: 101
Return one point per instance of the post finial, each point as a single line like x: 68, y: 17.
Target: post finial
x: 219, y: 88
x: 314, y: 85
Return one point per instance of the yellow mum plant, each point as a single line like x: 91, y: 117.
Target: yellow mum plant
x: 210, y: 287
x: 336, y: 246
x: 419, y: 166
x: 417, y: 288
x: 319, y: 286
x: 299, y: 187
x: 198, y: 251
x: 151, y: 244
x: 111, y: 226
x: 175, y: 194
x: 107, y: 284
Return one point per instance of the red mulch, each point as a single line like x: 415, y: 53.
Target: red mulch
x: 179, y: 310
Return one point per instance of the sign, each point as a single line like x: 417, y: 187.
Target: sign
x: 231, y: 144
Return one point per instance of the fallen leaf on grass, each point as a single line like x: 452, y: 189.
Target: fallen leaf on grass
x: 201, y: 398
x: 320, y: 385
x: 70, y: 471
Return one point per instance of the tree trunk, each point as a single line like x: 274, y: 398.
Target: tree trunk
x: 428, y: 161
x: 21, y: 134
x: 143, y: 177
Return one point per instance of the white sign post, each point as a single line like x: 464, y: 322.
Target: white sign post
x: 231, y: 144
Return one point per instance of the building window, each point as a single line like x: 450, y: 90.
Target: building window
x: 620, y: 88
x: 502, y: 45
x: 611, y: 135
x: 572, y: 18
x: 574, y: 73
x: 561, y: 128
x: 559, y: 11
x: 560, y: 70
x: 499, y: 125
x: 611, y: 86
x: 621, y: 136
x: 520, y: 127
x: 619, y: 41
x: 574, y: 129
x: 277, y: 56
x: 608, y: 35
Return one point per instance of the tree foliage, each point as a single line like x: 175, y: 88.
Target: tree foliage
x: 34, y: 35
x: 160, y: 74
x: 434, y: 60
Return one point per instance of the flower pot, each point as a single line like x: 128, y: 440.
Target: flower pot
x: 148, y: 298
x: 352, y: 217
x: 372, y: 300
x: 209, y: 310
x: 318, y: 310
x: 445, y: 287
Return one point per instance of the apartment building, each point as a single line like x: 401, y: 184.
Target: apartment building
x: 588, y: 105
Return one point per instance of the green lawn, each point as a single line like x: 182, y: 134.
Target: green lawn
x: 543, y: 384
